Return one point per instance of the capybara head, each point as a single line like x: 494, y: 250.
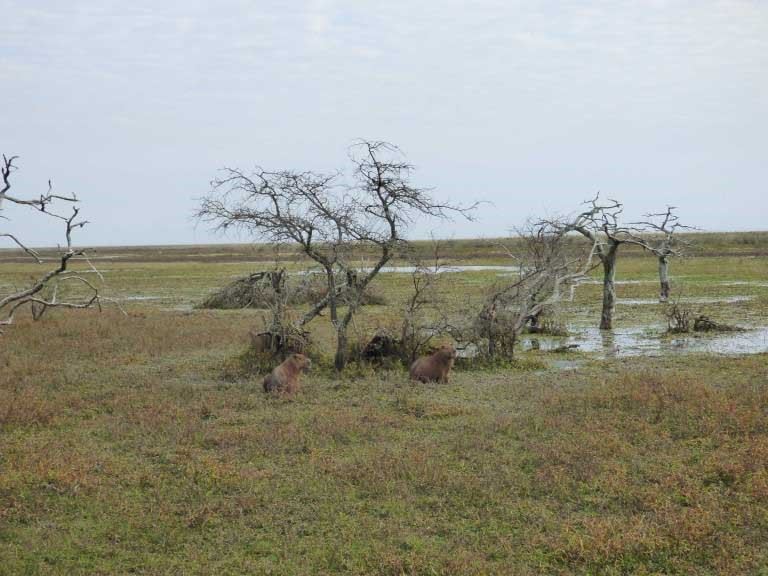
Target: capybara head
x: 446, y: 351
x: 301, y: 361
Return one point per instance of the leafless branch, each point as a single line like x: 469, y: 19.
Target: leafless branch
x: 328, y: 218
x: 659, y: 234
x: 32, y: 295
x: 601, y: 225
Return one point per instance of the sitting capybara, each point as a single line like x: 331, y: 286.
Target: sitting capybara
x: 435, y: 367
x: 285, y: 377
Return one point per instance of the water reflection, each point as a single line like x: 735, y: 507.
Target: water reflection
x: 608, y: 342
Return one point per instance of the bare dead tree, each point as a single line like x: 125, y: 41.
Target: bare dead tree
x: 549, y: 271
x: 43, y: 292
x: 329, y: 219
x: 601, y: 225
x: 284, y: 207
x: 663, y: 242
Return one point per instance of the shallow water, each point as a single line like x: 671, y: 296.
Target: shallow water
x: 652, y: 341
x: 688, y: 300
x: 621, y: 282
x: 745, y: 283
x: 441, y: 270
x: 142, y: 298
x: 445, y: 269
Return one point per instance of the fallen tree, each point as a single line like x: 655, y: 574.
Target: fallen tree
x: 549, y: 271
x: 262, y: 290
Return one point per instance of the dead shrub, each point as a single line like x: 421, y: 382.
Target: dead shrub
x: 266, y: 349
x: 703, y: 323
x: 678, y: 318
x: 681, y: 319
x: 382, y: 347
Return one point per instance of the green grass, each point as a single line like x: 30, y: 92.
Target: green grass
x: 124, y: 450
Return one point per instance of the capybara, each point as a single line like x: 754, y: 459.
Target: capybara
x: 435, y: 367
x: 285, y: 377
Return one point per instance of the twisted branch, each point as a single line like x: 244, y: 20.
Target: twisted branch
x: 32, y: 295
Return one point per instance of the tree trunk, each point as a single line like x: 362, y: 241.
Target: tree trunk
x: 491, y: 319
x: 340, y: 326
x: 491, y: 344
x: 332, y: 304
x: 340, y: 360
x: 664, y: 278
x: 609, y: 287
x: 278, y: 287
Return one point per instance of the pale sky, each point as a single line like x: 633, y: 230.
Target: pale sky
x: 532, y: 106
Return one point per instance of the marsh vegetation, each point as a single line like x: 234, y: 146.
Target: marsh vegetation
x: 130, y: 452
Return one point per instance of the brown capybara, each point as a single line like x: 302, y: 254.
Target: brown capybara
x: 285, y: 377
x: 435, y: 367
